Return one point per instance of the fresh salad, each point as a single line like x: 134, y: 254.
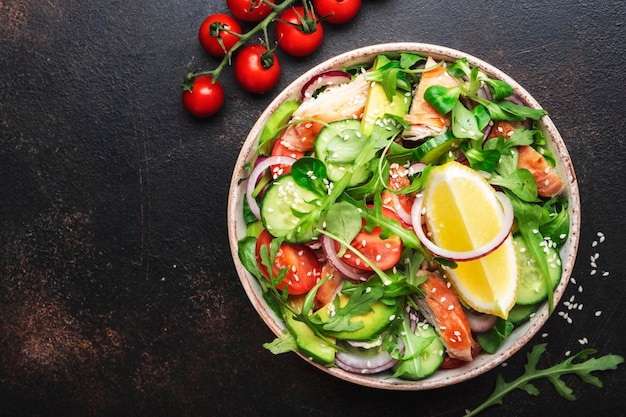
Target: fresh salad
x: 403, y: 216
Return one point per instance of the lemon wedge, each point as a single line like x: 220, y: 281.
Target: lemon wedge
x: 465, y: 215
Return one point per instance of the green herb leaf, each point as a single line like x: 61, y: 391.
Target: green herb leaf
x: 443, y: 99
x: 246, y: 250
x: 499, y: 89
x: 464, y: 123
x: 283, y: 344
x: 520, y: 182
x: 529, y: 217
x: 310, y: 173
x: 491, y: 340
x: 552, y: 374
x: 344, y: 220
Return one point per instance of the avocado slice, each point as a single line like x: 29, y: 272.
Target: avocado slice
x: 377, y: 104
x: 374, y: 322
x: 308, y: 343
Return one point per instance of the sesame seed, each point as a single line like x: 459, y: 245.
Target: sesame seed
x: 544, y: 335
x: 450, y: 307
x: 605, y: 273
x: 598, y: 313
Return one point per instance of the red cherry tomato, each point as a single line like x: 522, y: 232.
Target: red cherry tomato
x: 218, y: 33
x: 337, y: 11
x: 299, y: 33
x: 303, y: 268
x: 256, y: 69
x: 249, y: 10
x: 203, y: 98
x: 384, y: 253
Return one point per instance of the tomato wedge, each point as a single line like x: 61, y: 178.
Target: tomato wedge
x: 303, y: 267
x: 384, y: 253
x: 279, y: 149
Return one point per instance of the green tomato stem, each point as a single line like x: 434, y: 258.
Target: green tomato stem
x: 243, y: 38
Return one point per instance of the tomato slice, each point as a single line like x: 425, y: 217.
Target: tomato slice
x: 303, y: 267
x: 280, y: 149
x: 384, y: 253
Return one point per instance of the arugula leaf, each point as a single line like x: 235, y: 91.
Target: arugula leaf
x: 359, y: 302
x: 520, y: 182
x: 283, y: 344
x: 552, y: 374
x: 556, y: 220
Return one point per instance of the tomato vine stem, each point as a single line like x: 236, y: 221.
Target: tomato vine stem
x: 243, y: 38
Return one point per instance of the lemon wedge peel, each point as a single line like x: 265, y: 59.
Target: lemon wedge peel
x: 465, y: 215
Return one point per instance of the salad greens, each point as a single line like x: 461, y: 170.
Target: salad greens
x: 355, y: 183
x: 580, y: 364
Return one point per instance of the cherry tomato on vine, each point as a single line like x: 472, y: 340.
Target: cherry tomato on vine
x: 337, y: 11
x: 256, y: 69
x: 249, y: 10
x: 299, y: 33
x: 202, y: 97
x: 218, y: 33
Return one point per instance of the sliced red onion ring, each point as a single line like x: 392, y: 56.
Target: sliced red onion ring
x: 469, y: 255
x: 324, y: 79
x: 400, y: 211
x: 348, y: 271
x: 416, y: 168
x: 256, y: 173
x: 479, y: 322
x: 367, y: 361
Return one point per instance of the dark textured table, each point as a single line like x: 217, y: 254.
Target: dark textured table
x: 118, y: 295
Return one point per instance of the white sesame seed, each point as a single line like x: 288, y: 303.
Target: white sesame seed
x: 598, y: 313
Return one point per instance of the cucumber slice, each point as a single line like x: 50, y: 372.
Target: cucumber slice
x: 436, y: 148
x: 520, y: 313
x: 283, y: 199
x: 532, y: 285
x: 334, y: 145
x: 430, y: 359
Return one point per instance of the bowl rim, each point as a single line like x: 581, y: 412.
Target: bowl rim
x: 482, y: 363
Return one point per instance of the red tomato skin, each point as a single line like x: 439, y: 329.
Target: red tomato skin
x: 384, y: 253
x: 337, y: 11
x: 205, y: 98
x: 251, y: 74
x: 279, y: 149
x: 304, y: 269
x: 249, y: 10
x: 291, y: 39
x: 210, y: 43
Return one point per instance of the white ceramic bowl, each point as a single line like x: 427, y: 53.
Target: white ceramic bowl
x: 484, y: 362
